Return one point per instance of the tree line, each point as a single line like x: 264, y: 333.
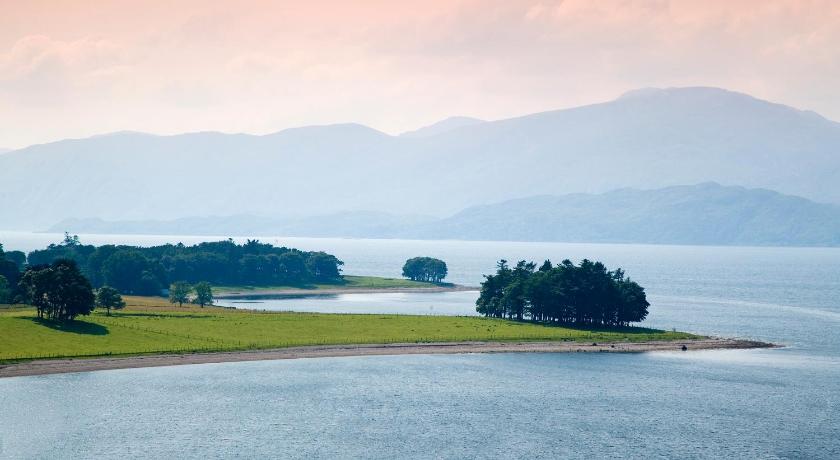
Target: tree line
x: 148, y: 270
x: 11, y: 265
x: 426, y: 269
x: 60, y: 292
x: 585, y: 294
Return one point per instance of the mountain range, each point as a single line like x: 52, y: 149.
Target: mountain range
x: 645, y: 139
x: 707, y: 213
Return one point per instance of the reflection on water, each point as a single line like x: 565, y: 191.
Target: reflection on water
x: 460, y: 303
x: 789, y: 357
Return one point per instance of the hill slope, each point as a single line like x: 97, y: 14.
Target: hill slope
x: 645, y: 139
x: 701, y: 214
x: 442, y: 126
x: 698, y: 214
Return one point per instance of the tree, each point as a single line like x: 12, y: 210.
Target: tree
x: 514, y: 295
x: 145, y: 270
x: 5, y: 290
x: 109, y: 298
x: 291, y: 267
x: 587, y: 294
x: 203, y: 294
x: 128, y: 271
x: 71, y: 240
x: 58, y: 291
x: 436, y: 270
x: 9, y: 270
x: 490, y: 299
x: 426, y: 269
x: 323, y: 266
x: 18, y: 257
x: 179, y: 292
x: 633, y: 305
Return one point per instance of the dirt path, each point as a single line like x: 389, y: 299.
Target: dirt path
x: 59, y: 366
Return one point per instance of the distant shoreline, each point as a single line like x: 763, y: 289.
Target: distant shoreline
x: 297, y: 292
x: 61, y: 366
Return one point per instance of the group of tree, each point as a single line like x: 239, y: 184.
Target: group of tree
x: 11, y: 264
x: 58, y: 291
x: 182, y: 292
x: 147, y: 270
x: 426, y: 269
x: 585, y: 294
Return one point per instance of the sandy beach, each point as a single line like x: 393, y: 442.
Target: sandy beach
x: 60, y: 366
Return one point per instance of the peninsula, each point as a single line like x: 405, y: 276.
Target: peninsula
x: 151, y: 332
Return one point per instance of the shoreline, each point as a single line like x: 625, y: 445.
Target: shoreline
x: 297, y: 292
x: 71, y: 365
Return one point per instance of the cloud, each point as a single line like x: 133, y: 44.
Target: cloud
x: 42, y: 71
x: 266, y: 65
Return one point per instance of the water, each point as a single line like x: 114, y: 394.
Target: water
x: 779, y: 403
x: 461, y: 303
x: 471, y: 406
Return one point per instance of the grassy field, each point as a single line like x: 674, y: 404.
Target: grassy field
x: 349, y: 282
x: 151, y: 325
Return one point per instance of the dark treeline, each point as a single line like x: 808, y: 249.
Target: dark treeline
x: 426, y: 269
x: 585, y: 294
x: 148, y: 270
x: 11, y: 265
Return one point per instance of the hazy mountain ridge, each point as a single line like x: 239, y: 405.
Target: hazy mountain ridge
x: 442, y: 126
x: 699, y: 214
x: 645, y: 139
x: 360, y: 224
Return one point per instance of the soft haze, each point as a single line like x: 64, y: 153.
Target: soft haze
x: 68, y: 70
x: 646, y: 139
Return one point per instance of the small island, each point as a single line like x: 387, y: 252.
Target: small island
x: 60, y: 321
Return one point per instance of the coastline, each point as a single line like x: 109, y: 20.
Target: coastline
x: 61, y: 366
x: 298, y: 292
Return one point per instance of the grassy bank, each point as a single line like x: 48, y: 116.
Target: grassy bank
x: 151, y: 325
x: 349, y: 282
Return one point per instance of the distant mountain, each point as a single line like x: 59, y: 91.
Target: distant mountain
x: 701, y: 214
x: 442, y: 126
x: 4, y: 150
x: 349, y: 224
x: 707, y: 213
x: 645, y: 139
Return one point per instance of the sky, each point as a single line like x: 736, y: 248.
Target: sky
x: 71, y: 69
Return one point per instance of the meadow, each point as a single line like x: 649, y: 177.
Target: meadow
x: 151, y: 325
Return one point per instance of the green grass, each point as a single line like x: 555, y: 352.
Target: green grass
x: 351, y: 282
x: 149, y: 325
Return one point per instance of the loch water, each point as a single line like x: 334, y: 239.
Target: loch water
x: 776, y: 403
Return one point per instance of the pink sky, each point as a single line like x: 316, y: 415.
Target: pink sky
x: 74, y: 69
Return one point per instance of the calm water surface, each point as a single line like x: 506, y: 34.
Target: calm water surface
x: 740, y: 404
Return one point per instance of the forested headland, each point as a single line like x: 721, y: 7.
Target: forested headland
x: 149, y: 270
x: 587, y: 294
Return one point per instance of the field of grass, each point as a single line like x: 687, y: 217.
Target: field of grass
x: 151, y: 325
x: 349, y: 282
